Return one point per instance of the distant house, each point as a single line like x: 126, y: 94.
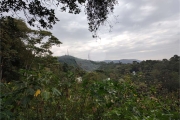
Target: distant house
x: 78, y: 79
x: 134, y: 73
x: 107, y: 79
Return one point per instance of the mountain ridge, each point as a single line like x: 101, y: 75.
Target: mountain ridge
x: 86, y: 65
x: 124, y: 61
x: 89, y: 65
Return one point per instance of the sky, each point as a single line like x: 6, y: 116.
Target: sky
x: 142, y: 29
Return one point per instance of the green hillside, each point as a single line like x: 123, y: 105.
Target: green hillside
x: 86, y: 65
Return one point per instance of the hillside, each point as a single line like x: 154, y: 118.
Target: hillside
x: 89, y: 65
x: 86, y: 65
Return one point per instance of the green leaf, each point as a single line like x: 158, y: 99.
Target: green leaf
x: 25, y: 100
x: 56, y: 92
x: 45, y: 95
x: 30, y: 91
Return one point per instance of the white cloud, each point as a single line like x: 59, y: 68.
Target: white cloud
x: 142, y: 29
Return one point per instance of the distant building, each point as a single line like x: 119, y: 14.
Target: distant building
x: 107, y: 79
x: 134, y: 73
x: 79, y: 79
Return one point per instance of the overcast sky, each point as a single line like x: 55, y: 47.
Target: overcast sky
x: 142, y: 29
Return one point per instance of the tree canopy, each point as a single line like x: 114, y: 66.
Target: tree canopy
x: 20, y: 44
x: 38, y: 11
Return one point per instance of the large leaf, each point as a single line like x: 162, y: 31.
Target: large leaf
x: 45, y: 95
x: 56, y: 92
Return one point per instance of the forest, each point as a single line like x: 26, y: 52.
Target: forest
x: 35, y: 85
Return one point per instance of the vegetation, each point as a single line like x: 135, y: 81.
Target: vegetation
x: 34, y: 85
x: 20, y: 46
x: 86, y: 65
x: 165, y: 72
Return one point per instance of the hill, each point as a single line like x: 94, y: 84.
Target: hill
x: 124, y: 61
x: 89, y: 65
x: 86, y: 65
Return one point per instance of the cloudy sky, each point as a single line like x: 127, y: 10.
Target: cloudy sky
x: 142, y: 29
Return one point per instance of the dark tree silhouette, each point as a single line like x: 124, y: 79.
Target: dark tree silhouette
x: 37, y: 11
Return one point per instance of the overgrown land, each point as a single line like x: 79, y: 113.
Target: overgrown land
x: 36, y: 86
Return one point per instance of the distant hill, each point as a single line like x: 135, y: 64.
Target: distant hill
x: 86, y: 65
x: 89, y: 65
x: 124, y: 61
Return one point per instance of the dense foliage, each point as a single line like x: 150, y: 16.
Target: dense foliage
x: 20, y: 45
x: 49, y: 93
x: 152, y: 72
x: 43, y: 88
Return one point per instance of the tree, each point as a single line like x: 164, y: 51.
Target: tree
x: 19, y: 46
x: 38, y: 11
